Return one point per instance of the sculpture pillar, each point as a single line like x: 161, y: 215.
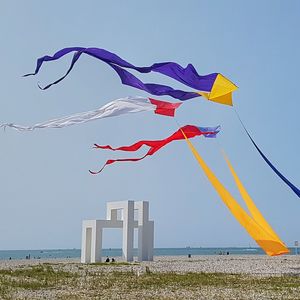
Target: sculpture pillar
x: 128, y: 230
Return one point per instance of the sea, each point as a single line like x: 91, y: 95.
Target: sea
x: 75, y: 253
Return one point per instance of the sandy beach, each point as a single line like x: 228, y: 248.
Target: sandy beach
x: 167, y: 277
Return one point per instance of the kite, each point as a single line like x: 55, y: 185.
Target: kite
x: 255, y: 225
x: 214, y: 86
x: 154, y: 145
x: 114, y: 108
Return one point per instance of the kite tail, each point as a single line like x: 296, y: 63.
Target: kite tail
x: 97, y: 172
x: 190, y: 131
x: 75, y: 58
x: 133, y: 147
x: 126, y: 77
x: 279, y: 174
x: 214, y: 85
x: 56, y: 56
x: 268, y: 242
x: 111, y: 161
x: 155, y: 145
x: 152, y: 88
x: 254, y: 211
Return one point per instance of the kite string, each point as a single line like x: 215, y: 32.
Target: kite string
x: 176, y: 122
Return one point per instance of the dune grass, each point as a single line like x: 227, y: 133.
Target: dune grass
x: 97, y: 282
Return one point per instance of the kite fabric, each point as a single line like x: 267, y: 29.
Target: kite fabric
x: 114, y: 108
x: 256, y: 226
x: 214, y: 86
x: 280, y: 175
x: 254, y: 211
x: 154, y: 145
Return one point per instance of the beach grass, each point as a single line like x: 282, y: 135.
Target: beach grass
x: 33, y: 278
x: 122, y: 281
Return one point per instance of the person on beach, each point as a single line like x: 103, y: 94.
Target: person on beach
x: 107, y: 259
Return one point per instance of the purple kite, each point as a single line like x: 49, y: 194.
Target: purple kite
x: 213, y: 86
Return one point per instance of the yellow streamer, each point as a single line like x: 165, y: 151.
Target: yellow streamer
x: 256, y: 214
x: 264, y: 235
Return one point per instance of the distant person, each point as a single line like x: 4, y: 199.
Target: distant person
x: 227, y: 253
x: 112, y: 260
x: 10, y: 258
x: 189, y: 255
x: 107, y: 259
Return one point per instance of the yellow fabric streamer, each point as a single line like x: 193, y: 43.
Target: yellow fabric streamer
x: 254, y: 211
x: 257, y: 227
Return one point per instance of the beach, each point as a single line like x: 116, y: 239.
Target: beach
x: 167, y: 277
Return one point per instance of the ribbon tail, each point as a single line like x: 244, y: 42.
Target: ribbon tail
x: 261, y: 236
x: 254, y: 211
x: 279, y: 174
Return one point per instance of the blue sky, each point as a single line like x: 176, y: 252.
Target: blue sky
x: 46, y: 190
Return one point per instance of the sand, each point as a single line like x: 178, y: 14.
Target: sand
x: 261, y: 265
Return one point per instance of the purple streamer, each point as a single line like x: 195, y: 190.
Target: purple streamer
x: 187, y: 76
x: 279, y: 174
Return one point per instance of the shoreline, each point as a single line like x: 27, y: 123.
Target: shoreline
x: 117, y: 252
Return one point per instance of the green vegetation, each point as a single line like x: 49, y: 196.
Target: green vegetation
x: 134, y: 281
x: 32, y: 278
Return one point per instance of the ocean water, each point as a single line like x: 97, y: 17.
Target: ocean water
x: 75, y: 253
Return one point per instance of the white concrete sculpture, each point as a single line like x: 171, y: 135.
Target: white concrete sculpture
x: 92, y: 231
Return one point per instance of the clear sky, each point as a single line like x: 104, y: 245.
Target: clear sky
x: 46, y: 190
